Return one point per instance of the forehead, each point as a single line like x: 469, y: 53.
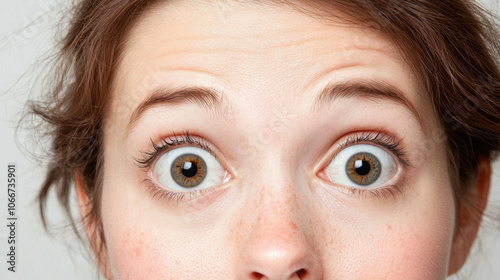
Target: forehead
x: 262, y: 50
x: 222, y: 37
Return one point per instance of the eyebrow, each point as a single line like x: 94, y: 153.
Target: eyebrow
x: 211, y: 99
x: 208, y: 98
x: 367, y: 89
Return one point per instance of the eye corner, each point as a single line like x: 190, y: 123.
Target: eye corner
x: 321, y: 174
x: 145, y: 162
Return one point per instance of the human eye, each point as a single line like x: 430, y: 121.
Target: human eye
x: 367, y: 164
x: 188, y: 168
x: 183, y: 168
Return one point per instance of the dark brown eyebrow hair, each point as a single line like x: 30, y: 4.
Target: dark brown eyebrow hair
x: 203, y: 96
x: 368, y: 89
x: 211, y: 99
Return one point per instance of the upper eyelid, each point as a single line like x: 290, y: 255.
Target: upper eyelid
x: 398, y: 145
x: 344, y: 142
x: 207, y: 145
x: 157, y: 150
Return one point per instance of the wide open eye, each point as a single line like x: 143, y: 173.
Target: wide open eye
x: 361, y: 166
x: 188, y: 168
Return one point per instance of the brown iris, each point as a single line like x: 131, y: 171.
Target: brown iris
x: 363, y: 168
x: 188, y: 170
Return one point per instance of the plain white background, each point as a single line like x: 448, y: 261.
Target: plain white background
x: 26, y: 36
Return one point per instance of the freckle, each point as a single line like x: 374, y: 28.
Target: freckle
x: 313, y: 236
x: 389, y: 227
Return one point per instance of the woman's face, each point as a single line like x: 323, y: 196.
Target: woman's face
x: 253, y: 141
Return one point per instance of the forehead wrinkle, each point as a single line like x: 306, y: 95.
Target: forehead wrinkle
x: 313, y: 33
x: 255, y: 30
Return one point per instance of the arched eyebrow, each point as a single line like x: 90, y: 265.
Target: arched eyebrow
x: 209, y: 98
x: 367, y: 89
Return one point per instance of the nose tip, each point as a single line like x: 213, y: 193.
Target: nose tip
x: 280, y: 258
x: 275, y: 264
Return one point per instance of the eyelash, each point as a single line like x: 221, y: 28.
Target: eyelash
x: 392, y: 144
x: 389, y: 142
x: 168, y: 144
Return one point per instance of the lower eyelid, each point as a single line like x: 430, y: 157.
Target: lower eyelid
x: 201, y: 196
x: 158, y: 192
x: 392, y: 190
x: 385, y: 192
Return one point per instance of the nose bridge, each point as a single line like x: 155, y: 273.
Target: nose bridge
x: 278, y: 213
x: 280, y: 194
x: 276, y: 196
x: 279, y: 245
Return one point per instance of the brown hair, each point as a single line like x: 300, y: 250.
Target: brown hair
x: 452, y: 46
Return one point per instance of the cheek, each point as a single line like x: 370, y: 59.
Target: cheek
x: 144, y: 242
x: 409, y: 252
x: 409, y: 241
x: 137, y: 254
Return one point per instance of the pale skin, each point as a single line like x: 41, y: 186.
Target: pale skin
x: 276, y: 212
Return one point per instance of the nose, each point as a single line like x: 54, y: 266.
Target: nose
x: 277, y: 262
x: 277, y: 247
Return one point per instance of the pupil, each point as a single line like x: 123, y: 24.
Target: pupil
x: 189, y: 169
x: 362, y: 167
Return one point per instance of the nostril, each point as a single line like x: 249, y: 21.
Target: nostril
x: 301, y: 273
x: 257, y: 276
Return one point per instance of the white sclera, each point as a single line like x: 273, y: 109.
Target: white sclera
x: 336, y: 170
x: 215, y: 172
